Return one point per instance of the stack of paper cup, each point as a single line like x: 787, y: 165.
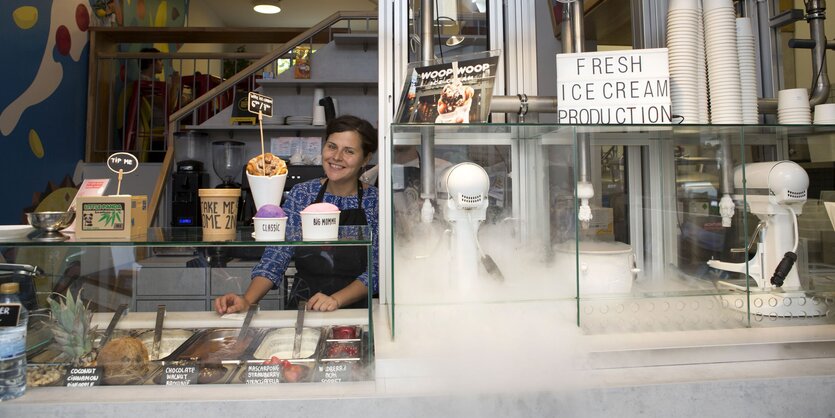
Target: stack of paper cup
x: 701, y: 70
x: 683, y: 22
x: 747, y: 70
x: 793, y: 107
x: 825, y: 114
x: 318, y: 110
x: 722, y: 62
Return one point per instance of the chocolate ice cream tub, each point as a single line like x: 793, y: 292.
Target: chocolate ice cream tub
x: 217, y: 346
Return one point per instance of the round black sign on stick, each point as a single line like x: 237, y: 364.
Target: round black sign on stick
x: 122, y: 163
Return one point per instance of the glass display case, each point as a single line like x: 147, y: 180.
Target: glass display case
x: 632, y: 228
x: 115, y: 294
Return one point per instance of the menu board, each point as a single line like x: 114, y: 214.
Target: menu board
x: 457, y: 90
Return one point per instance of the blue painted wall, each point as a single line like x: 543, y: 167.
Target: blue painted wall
x: 43, y: 97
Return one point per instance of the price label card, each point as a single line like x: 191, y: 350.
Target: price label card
x: 9, y: 314
x: 124, y: 161
x: 258, y: 103
x: 80, y: 377
x: 337, y: 371
x: 262, y: 374
x: 180, y: 375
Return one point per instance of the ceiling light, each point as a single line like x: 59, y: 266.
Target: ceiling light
x: 268, y: 7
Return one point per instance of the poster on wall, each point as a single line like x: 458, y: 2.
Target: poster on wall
x: 457, y: 90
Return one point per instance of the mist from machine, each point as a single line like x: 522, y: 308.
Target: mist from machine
x: 775, y: 192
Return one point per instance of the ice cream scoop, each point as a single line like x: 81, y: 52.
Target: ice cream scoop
x: 270, y: 211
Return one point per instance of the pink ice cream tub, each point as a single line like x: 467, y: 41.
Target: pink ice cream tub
x: 320, y: 222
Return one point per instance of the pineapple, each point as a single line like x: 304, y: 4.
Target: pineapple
x: 71, y: 329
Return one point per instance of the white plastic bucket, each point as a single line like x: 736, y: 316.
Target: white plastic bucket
x: 320, y: 226
x: 270, y: 229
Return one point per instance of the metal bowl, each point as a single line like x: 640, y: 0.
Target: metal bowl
x: 50, y: 221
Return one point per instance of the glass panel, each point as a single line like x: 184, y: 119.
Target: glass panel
x: 655, y: 255
x: 459, y: 27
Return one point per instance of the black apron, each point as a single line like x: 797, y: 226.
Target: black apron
x: 330, y: 269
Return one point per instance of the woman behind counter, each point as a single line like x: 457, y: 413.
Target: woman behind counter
x: 328, y: 278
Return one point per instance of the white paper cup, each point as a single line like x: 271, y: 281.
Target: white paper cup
x: 266, y: 190
x: 270, y: 229
x: 320, y: 226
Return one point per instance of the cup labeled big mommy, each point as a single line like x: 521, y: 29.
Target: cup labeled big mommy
x: 320, y: 221
x: 219, y: 213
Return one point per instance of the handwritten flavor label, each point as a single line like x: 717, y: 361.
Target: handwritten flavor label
x: 262, y: 374
x: 179, y: 375
x: 336, y: 371
x: 219, y: 215
x: 80, y: 377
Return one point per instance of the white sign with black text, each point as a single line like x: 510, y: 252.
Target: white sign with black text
x: 614, y: 87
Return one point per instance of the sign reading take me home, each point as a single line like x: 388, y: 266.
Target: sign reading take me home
x: 614, y: 87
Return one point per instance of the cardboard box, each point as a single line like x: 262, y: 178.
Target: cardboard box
x: 121, y: 217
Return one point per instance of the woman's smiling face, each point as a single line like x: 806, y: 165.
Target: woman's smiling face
x: 342, y: 157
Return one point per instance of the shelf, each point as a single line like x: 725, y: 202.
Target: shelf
x: 267, y: 127
x: 193, y: 237
x: 355, y: 38
x: 317, y: 83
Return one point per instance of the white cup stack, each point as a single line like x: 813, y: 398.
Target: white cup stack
x: 722, y: 62
x: 825, y: 114
x: 747, y: 70
x: 793, y: 107
x: 683, y: 24
x: 318, y: 110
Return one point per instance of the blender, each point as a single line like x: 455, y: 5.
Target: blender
x: 188, y: 179
x: 227, y: 160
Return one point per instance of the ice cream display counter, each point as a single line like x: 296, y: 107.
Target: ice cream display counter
x: 87, y: 335
x: 686, y: 227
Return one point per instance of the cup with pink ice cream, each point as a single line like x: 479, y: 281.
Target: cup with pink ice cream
x: 270, y: 223
x: 320, y: 221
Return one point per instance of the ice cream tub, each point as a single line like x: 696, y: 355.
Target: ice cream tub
x: 320, y: 221
x: 279, y: 343
x: 217, y: 346
x: 344, y: 332
x: 170, y: 341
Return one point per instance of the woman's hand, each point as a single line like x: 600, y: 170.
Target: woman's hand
x: 230, y: 303
x: 322, y: 303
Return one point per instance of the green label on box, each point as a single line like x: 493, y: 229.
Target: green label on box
x: 103, y: 216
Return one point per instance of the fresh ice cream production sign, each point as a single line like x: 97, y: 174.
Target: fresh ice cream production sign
x: 614, y: 87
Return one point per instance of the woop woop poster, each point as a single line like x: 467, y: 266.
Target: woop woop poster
x: 456, y: 91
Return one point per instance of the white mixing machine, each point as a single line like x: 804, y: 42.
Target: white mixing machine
x: 775, y: 192
x: 462, y: 194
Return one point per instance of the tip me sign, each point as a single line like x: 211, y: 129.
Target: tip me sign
x: 614, y: 87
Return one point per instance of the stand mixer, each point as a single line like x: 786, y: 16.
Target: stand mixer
x: 462, y: 193
x: 775, y: 192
